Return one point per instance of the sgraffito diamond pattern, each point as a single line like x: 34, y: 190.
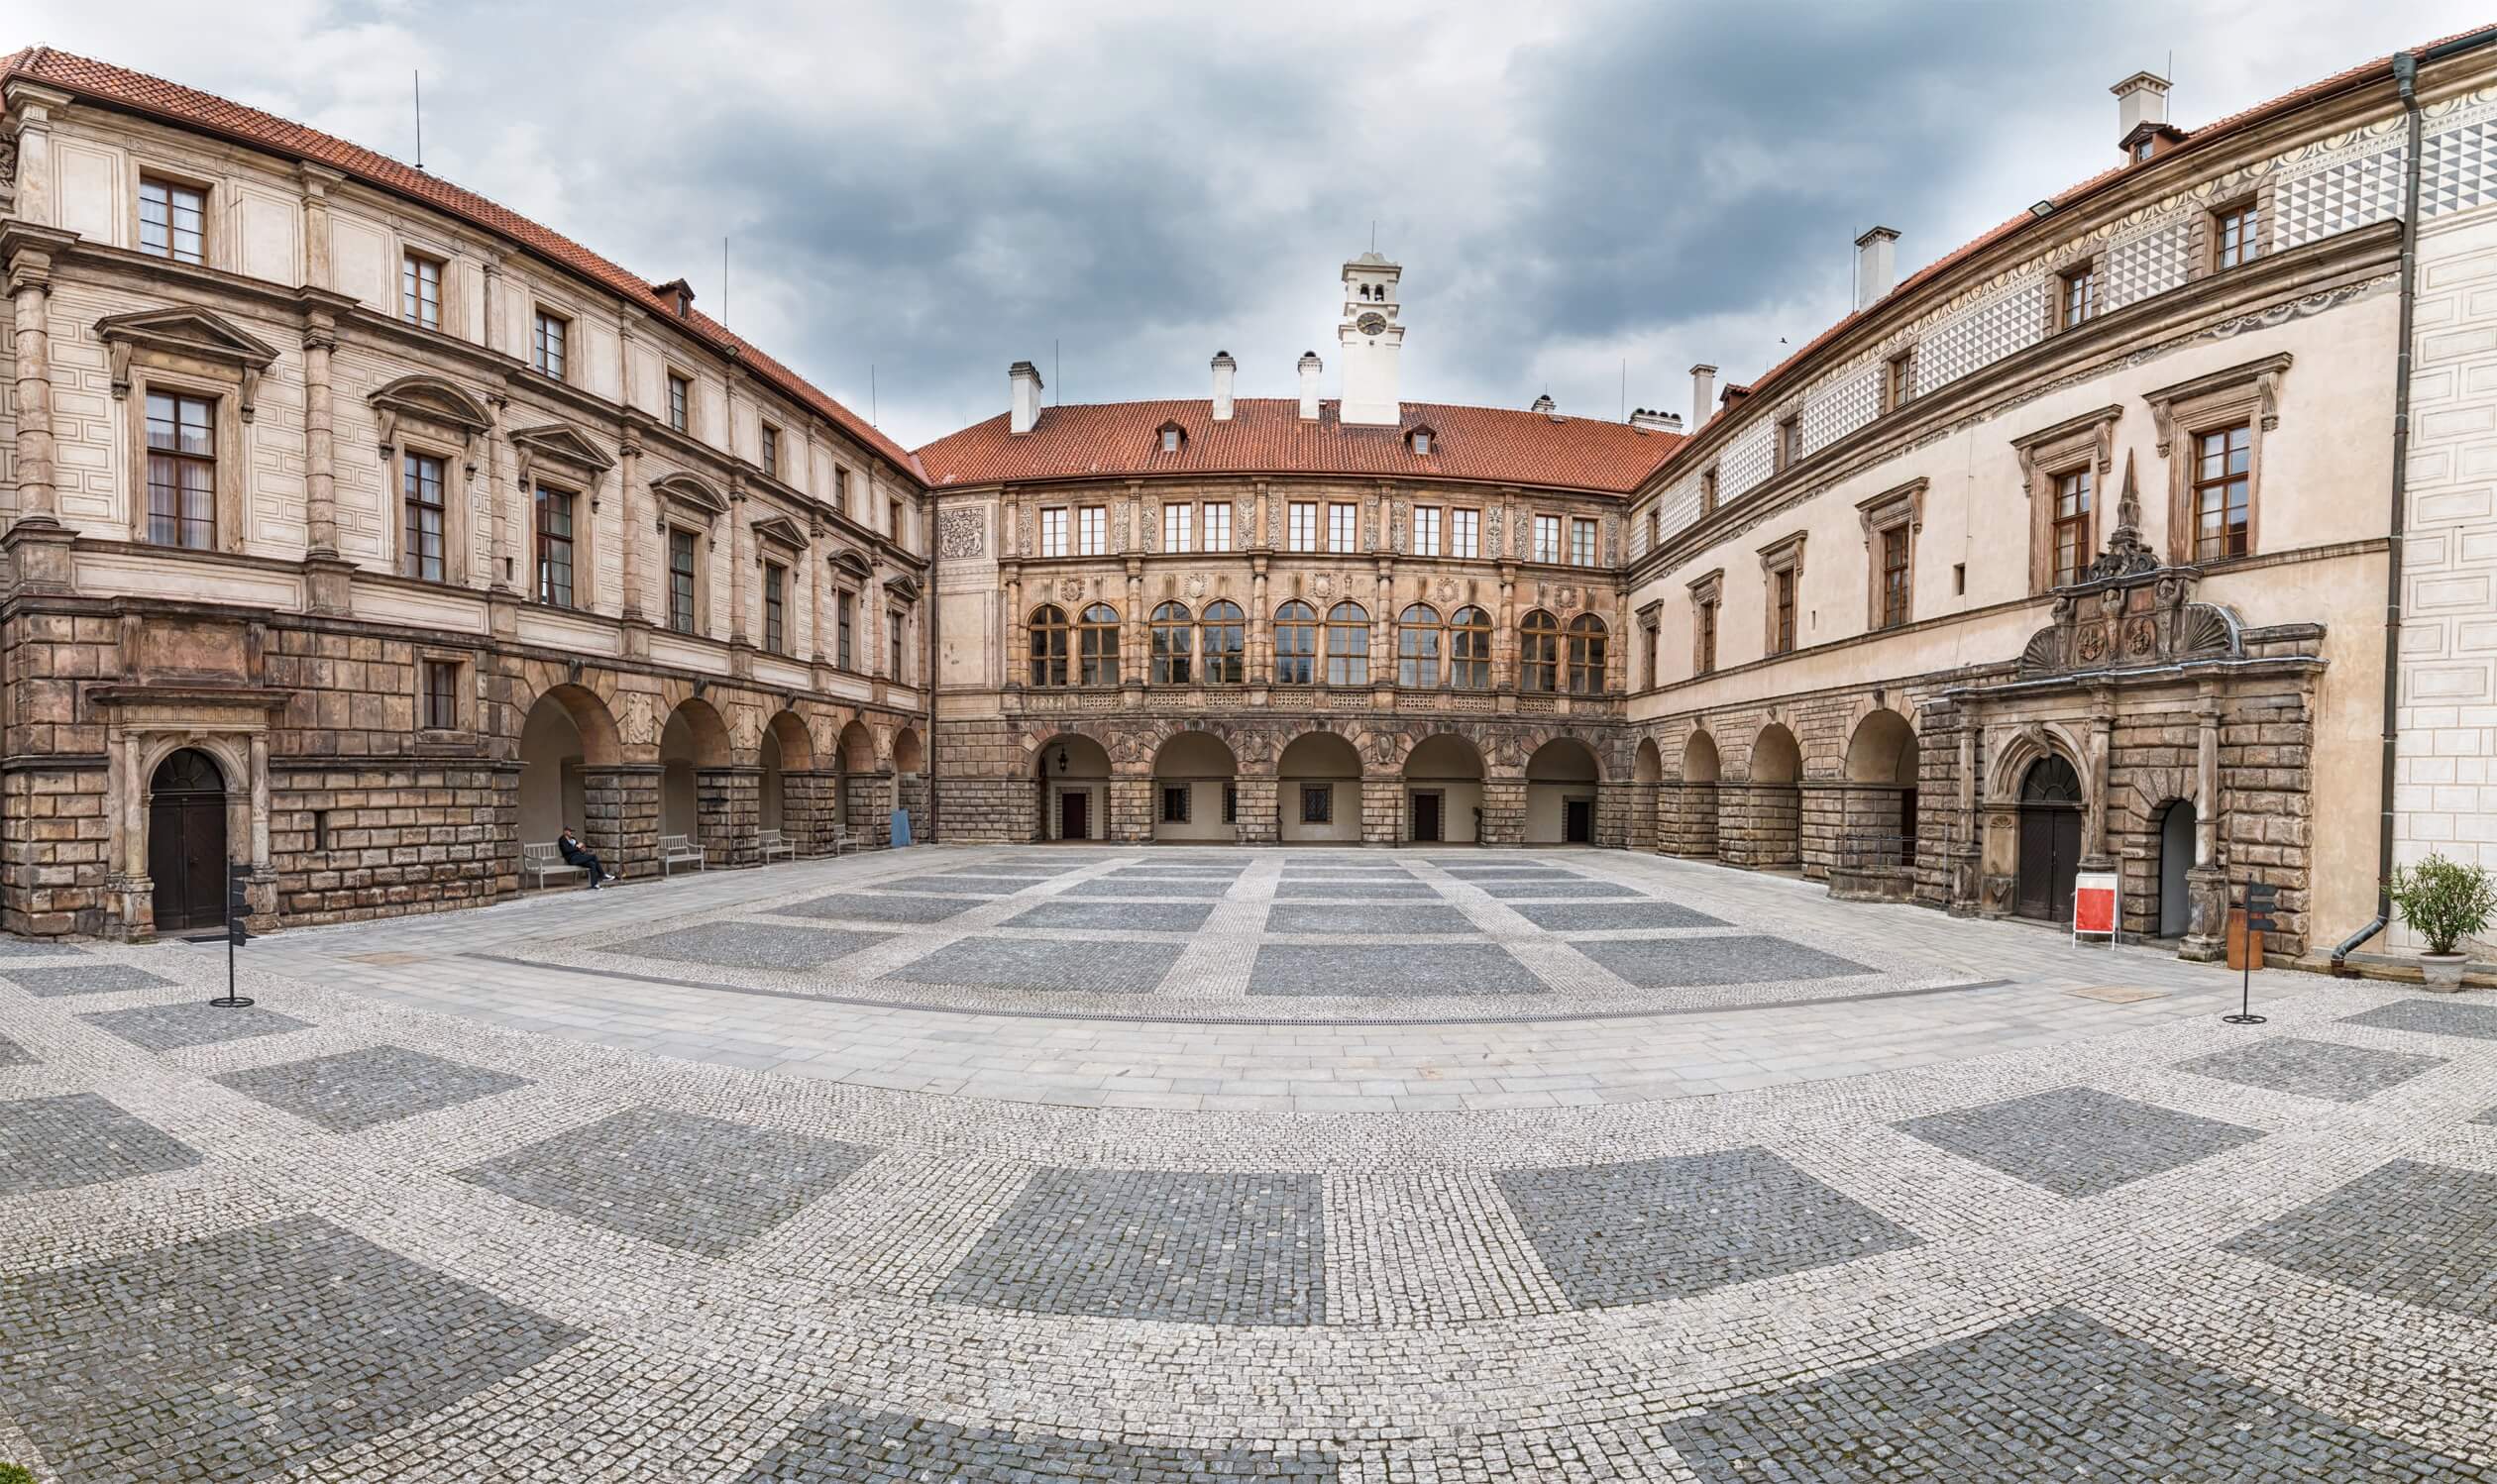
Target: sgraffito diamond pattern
x: 1981, y: 337
x: 2341, y: 197
x: 2151, y: 264
x: 1747, y: 459
x: 2455, y: 175
x: 1841, y: 407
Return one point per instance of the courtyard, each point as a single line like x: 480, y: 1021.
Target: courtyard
x: 1077, y: 1162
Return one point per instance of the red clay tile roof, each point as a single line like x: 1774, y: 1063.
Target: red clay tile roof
x: 1267, y: 436
x: 140, y: 93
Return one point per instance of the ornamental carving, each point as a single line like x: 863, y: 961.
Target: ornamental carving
x: 637, y: 719
x: 745, y: 727
x: 1071, y: 590
x: 2133, y: 620
x: 962, y: 533
x: 1196, y: 585
x: 1448, y: 590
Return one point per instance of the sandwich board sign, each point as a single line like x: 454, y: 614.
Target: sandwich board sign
x: 2095, y: 895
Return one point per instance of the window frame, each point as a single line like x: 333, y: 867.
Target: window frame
x: 776, y: 607
x: 1302, y: 649
x: 2066, y: 313
x: 1425, y: 517
x: 1318, y: 803
x: 898, y: 646
x: 1898, y: 379
x: 1420, y: 639
x: 550, y: 356
x: 684, y: 614
x: 1092, y: 530
x: 1172, y: 645
x: 1708, y: 612
x: 1095, y: 651
x: 173, y: 183
x: 1344, y: 526
x: 542, y: 539
x: 412, y: 262
x: 1895, y: 512
x: 1175, y: 800
x: 2049, y: 453
x: 1782, y: 581
x: 178, y: 459
x: 844, y: 629
x: 1228, y: 663
x: 411, y: 563
x: 1470, y: 645
x: 1538, y: 653
x: 1214, y: 526
x: 1785, y: 441
x: 2247, y: 393
x: 1586, y: 542
x: 1178, y: 525
x: 767, y: 449
x: 1056, y: 525
x: 1300, y: 528
x: 2198, y: 483
x: 1347, y: 658
x: 1708, y: 491
x: 1547, y: 534
x: 1589, y: 653
x: 1465, y: 533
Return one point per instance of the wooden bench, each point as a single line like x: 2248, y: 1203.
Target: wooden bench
x: 679, y: 850
x: 543, y: 861
x: 771, y: 842
x: 841, y: 839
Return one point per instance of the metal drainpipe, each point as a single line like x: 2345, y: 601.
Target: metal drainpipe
x: 928, y: 668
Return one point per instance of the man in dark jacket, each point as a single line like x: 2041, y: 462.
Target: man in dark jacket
x: 569, y: 846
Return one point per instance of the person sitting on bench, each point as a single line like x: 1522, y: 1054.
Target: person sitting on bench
x: 569, y: 846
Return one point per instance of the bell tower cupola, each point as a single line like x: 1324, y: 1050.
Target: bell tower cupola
x: 1370, y: 336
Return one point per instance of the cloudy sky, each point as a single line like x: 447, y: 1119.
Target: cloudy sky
x: 936, y: 189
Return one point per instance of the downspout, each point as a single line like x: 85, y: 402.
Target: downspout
x: 927, y: 666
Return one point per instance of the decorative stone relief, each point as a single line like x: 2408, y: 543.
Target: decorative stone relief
x: 962, y: 533
x: 637, y: 719
x: 745, y: 727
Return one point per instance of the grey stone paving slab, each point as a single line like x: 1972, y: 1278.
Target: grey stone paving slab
x: 13, y: 1055
x: 1668, y: 1229
x: 856, y: 906
x: 2077, y: 1142
x: 1109, y: 967
x: 358, y: 1089
x: 1390, y: 971
x: 1134, y: 916
x: 705, y: 1185
x: 1581, y: 889
x: 237, y: 1354
x: 86, y: 979
x: 1367, y: 919
x: 1152, y: 1244
x: 956, y: 885
x: 13, y: 946
x: 2312, y: 1068
x: 2431, y: 1017
x: 1180, y: 888
x: 750, y: 945
x: 1035, y: 872
x: 79, y: 1138
x: 2419, y: 1234
x: 1515, y: 873
x: 838, y: 1444
x: 1671, y: 963
x: 1611, y: 917
x: 193, y: 1022
x: 1356, y: 890
x: 2054, y: 1396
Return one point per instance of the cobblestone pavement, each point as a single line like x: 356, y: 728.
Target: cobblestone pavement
x: 1679, y: 1174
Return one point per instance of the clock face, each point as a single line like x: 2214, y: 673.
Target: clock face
x: 1371, y: 323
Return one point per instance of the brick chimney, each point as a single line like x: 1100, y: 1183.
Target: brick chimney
x: 1023, y: 380
x: 1224, y: 365
x: 1311, y: 367
x: 1877, y: 265
x: 1702, y: 392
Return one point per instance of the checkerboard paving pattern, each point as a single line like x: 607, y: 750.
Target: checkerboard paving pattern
x: 1391, y: 970
x: 1107, y: 967
x: 1556, y: 891
x: 1611, y: 917
x: 2313, y: 1069
x: 1195, y: 889
x: 960, y: 885
x: 1654, y: 963
x: 79, y: 1138
x: 86, y: 979
x: 2418, y: 1233
x: 355, y: 1089
x: 1114, y: 916
x: 2431, y: 1018
x: 1366, y: 920
x: 2078, y: 1141
x: 750, y: 945
x: 860, y: 907
x: 192, y: 1022
x: 838, y: 1444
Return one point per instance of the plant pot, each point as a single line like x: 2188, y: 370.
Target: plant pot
x: 2442, y: 971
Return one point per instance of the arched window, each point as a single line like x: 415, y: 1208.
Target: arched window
x: 1538, y: 653
x: 1348, y: 645
x: 1469, y: 650
x: 1174, y: 637
x: 1097, y: 646
x: 1296, y: 643
x: 1418, y: 646
x: 1222, y: 644
x: 1586, y: 655
x: 1048, y: 645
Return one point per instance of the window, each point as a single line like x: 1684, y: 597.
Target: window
x: 1462, y: 528
x: 776, y: 607
x: 1588, y: 640
x: 1546, y: 538
x: 771, y: 450
x: 2078, y: 300
x: 1426, y: 530
x: 172, y: 221
x: 681, y: 549
x: 1174, y: 803
x: 1304, y: 526
x: 1344, y: 528
x: 1295, y: 644
x: 1789, y: 440
x: 1898, y: 379
x: 1173, y: 639
x: 1418, y: 647
x: 1049, y: 639
x: 442, y: 696
x: 2072, y: 524
x: 1170, y: 439
x: 841, y: 497
x: 1053, y: 533
x: 1176, y: 528
x: 1317, y: 804
x: 182, y: 471
x: 1231, y: 804
x: 1092, y: 530
x: 1097, y: 646
x: 1348, y: 645
x: 1218, y: 527
x: 898, y: 654
x: 1782, y: 611
x: 420, y: 290
x: 2142, y: 149
x: 1469, y: 650
x: 1894, y: 576
x: 554, y: 547
x: 420, y: 493
x: 1222, y: 646
x: 1707, y: 636
x: 2236, y: 235
x: 1654, y: 640
x: 1708, y: 491
x: 1959, y: 578
x: 547, y: 345
x: 893, y: 521
x: 2222, y: 492
x: 1422, y: 441
x: 1582, y: 543
x: 680, y: 403
x: 1538, y: 653
x: 842, y: 601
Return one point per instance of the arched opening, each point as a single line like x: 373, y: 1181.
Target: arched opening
x: 1770, y: 829
x: 910, y: 783
x: 1693, y: 831
x: 1561, y: 780
x: 1647, y: 802
x: 2050, y: 840
x: 694, y: 739
x: 2176, y: 856
x: 1318, y: 788
x: 1881, y: 768
x: 186, y: 840
x: 1444, y: 791
x: 853, y: 791
x: 1196, y: 793
x: 568, y: 729
x: 1074, y: 773
x: 786, y: 748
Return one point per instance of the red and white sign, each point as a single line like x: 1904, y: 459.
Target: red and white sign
x: 2093, y: 896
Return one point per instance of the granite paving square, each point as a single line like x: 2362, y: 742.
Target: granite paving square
x: 1367, y: 919
x: 1133, y: 916
x: 244, y: 1353
x: 855, y: 908
x: 1611, y: 917
x: 1394, y: 971
x: 956, y: 885
x: 683, y: 1180
x: 2313, y: 1069
x: 372, y: 1084
x: 86, y: 979
x: 1356, y: 890
x: 2052, y: 1396
x: 2418, y: 1233
x: 15, y: 947
x: 750, y: 945
x: 2077, y: 1142
x: 193, y: 1022
x: 79, y: 1139
x: 1180, y: 888
x: 1515, y: 873
x: 838, y: 1444
x: 1671, y: 1227
x: 1734, y: 958
x: 13, y: 1055
x: 1035, y: 872
x: 1100, y: 967
x: 2431, y: 1018
x: 1151, y: 1244
x: 1580, y: 889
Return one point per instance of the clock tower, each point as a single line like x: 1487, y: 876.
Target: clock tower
x: 1369, y: 337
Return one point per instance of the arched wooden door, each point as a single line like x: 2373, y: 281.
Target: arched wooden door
x: 186, y: 841
x: 2050, y: 840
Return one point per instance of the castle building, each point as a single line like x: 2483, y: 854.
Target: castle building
x: 361, y: 533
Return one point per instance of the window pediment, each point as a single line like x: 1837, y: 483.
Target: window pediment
x: 780, y: 531
x: 430, y: 400
x: 904, y: 586
x: 1707, y: 585
x: 2256, y: 382
x: 851, y: 564
x: 2095, y: 431
x: 1906, y: 503
x: 689, y: 497
x: 1783, y: 553
x: 182, y: 336
x: 561, y: 444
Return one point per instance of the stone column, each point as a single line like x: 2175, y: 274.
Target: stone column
x: 1967, y: 851
x: 620, y: 817
x: 1503, y: 812
x: 807, y: 803
x: 1135, y: 652
x: 740, y: 561
x: 1261, y: 657
x: 868, y: 798
x: 38, y: 543
x: 1505, y: 674
x: 1382, y: 807
x: 727, y: 813
x: 2207, y: 883
x: 320, y: 443
x: 2096, y: 853
x: 1382, y: 652
x: 1616, y: 805
x: 499, y: 513
x: 1258, y: 821
x: 634, y: 498
x: 33, y: 103
x: 1132, y: 810
x: 1015, y: 643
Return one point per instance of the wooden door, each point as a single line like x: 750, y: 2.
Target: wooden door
x: 1578, y: 821
x: 2050, y: 859
x: 1425, y: 816
x: 1076, y: 814
x: 186, y: 843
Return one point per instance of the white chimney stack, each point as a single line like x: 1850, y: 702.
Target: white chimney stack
x: 1310, y: 370
x: 2139, y: 99
x: 1656, y: 421
x: 1022, y: 380
x: 1224, y: 365
x: 1877, y: 265
x: 1702, y: 392
x: 1543, y: 403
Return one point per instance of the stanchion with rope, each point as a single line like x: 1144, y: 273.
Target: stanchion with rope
x: 238, y: 907
x: 2257, y: 921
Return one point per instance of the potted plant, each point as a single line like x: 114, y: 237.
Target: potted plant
x: 2444, y: 902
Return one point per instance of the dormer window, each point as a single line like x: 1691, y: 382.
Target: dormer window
x: 1172, y: 435
x: 2142, y: 149
x: 1420, y: 439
